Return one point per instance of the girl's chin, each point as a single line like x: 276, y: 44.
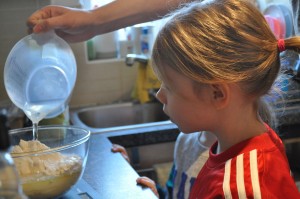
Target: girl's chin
x: 187, y: 130
x: 183, y: 129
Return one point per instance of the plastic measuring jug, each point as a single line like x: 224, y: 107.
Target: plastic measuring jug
x: 40, y: 74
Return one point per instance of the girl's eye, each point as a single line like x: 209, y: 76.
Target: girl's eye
x: 163, y: 86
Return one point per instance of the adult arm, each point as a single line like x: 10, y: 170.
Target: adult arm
x: 76, y: 25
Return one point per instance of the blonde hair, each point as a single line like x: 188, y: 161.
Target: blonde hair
x: 221, y: 41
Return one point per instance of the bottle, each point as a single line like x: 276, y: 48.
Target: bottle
x: 130, y: 45
x: 90, y: 50
x: 10, y: 186
x: 125, y: 43
x: 145, y: 47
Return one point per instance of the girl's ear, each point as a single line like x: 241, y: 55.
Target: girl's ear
x: 220, y: 95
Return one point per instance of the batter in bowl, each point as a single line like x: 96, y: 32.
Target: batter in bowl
x: 47, y: 175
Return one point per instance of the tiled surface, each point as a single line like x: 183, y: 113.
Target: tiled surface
x: 97, y: 83
x: 100, y: 82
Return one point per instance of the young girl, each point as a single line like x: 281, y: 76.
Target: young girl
x: 216, y: 59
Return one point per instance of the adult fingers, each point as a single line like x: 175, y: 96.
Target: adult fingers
x: 49, y: 17
x: 35, y: 18
x: 45, y: 25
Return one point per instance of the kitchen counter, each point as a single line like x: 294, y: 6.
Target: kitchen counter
x: 110, y: 174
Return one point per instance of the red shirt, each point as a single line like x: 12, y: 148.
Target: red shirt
x: 255, y: 168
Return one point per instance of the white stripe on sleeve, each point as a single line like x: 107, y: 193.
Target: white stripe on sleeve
x: 254, y: 174
x: 240, y: 176
x: 226, y: 181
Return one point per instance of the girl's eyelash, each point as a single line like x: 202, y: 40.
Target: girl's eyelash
x: 164, y: 86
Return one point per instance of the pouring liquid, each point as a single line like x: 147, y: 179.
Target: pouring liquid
x: 38, y: 111
x: 35, y: 131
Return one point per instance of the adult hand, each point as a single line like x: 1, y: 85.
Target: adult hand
x: 118, y: 148
x: 148, y: 183
x: 73, y: 25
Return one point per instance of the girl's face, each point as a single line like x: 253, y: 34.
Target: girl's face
x: 189, y: 110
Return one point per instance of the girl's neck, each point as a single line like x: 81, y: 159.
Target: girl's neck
x: 225, y: 143
x: 238, y: 127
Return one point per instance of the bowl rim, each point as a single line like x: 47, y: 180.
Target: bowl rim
x: 85, y: 138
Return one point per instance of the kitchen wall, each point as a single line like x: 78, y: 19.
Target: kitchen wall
x: 101, y: 82
x: 98, y: 82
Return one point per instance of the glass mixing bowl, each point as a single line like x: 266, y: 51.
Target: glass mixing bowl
x: 50, y: 166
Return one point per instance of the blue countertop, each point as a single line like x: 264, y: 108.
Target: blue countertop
x: 110, y: 175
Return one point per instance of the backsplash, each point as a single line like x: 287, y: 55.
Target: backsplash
x: 97, y: 82
x: 100, y: 82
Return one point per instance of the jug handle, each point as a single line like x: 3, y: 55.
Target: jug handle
x: 42, y: 38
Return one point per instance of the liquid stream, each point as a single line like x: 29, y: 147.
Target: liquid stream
x: 35, y: 131
x: 38, y: 111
